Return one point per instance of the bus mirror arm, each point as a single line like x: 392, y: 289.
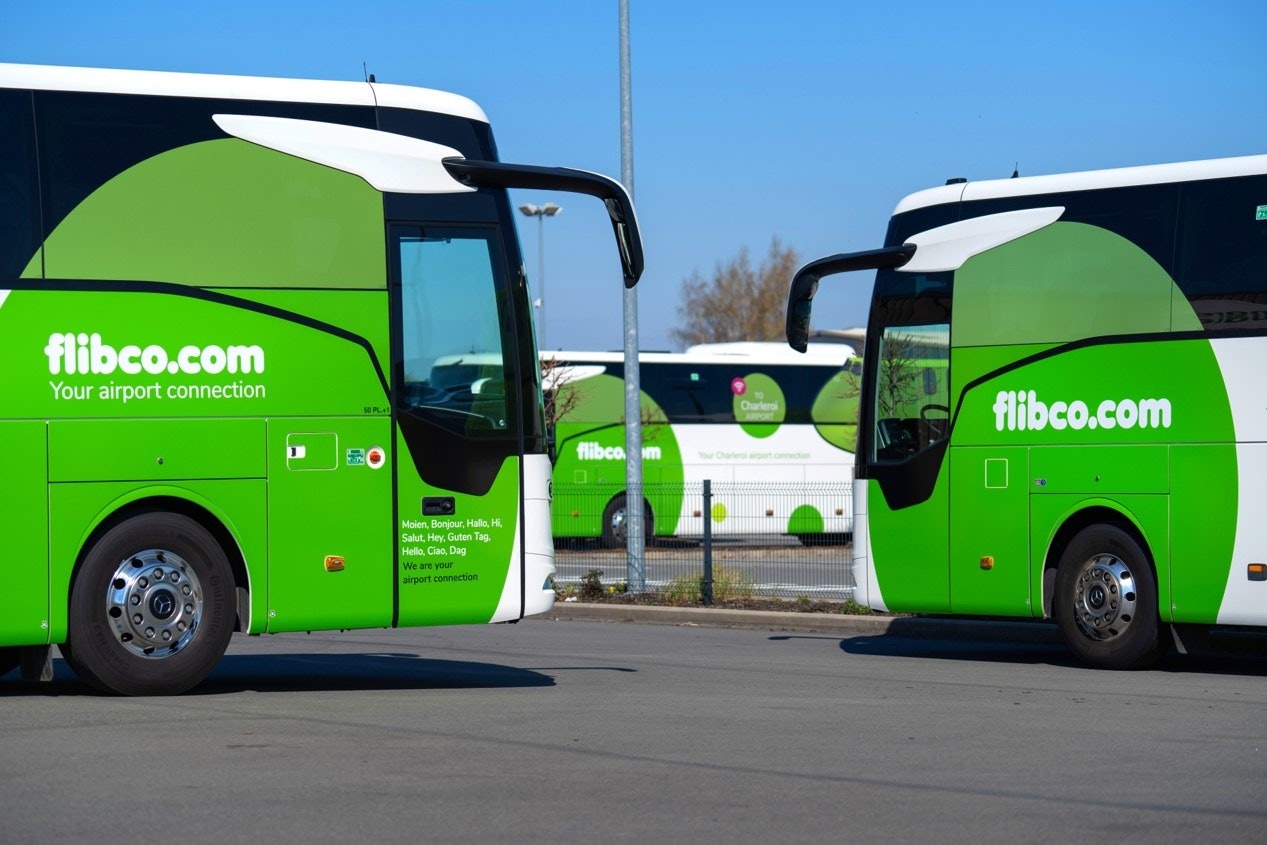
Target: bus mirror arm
x: 800, y: 295
x: 498, y: 174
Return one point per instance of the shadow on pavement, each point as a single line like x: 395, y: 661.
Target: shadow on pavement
x: 315, y: 673
x: 372, y: 671
x: 1223, y: 654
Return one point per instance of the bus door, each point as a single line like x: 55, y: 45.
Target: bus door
x: 459, y: 425
x: 907, y: 494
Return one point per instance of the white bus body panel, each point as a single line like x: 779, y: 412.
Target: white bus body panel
x: 538, y: 545
x: 1241, y: 362
x: 947, y: 247
x: 390, y: 163
x: 866, y: 590
x: 793, y: 455
x: 1090, y: 180
x: 227, y: 87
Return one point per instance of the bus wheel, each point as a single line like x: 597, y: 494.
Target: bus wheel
x: 825, y: 539
x: 615, y: 524
x: 151, y: 609
x: 1106, y: 600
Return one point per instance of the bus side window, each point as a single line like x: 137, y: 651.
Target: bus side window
x: 1223, y: 252
x: 19, y: 226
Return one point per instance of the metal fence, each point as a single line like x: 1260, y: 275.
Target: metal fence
x: 755, y: 539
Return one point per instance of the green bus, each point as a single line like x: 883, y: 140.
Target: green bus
x: 1096, y: 449
x: 221, y: 301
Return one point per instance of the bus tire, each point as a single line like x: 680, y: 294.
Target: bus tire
x: 1106, y: 600
x: 151, y: 608
x: 824, y: 539
x: 615, y: 523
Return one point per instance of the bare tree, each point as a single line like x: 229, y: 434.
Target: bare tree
x: 899, y: 376
x: 564, y: 393
x: 555, y: 375
x: 736, y: 302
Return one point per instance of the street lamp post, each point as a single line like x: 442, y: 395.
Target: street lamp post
x: 635, y: 548
x: 541, y: 212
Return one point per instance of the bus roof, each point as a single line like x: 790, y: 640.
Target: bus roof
x: 217, y: 86
x: 818, y: 354
x: 1090, y: 180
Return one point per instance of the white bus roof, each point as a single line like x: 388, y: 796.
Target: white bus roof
x: 1089, y: 180
x: 820, y: 354
x: 216, y: 86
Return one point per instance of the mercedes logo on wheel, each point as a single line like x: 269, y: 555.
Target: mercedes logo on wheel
x: 162, y: 604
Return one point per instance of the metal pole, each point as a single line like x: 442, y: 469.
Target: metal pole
x: 541, y: 277
x: 541, y: 212
x: 635, y: 563
x: 706, y: 583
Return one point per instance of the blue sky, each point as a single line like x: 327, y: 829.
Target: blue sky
x: 806, y: 119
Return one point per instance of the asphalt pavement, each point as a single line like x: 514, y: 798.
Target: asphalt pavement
x: 917, y: 627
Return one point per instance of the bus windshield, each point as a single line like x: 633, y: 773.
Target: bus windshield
x: 454, y: 370
x: 911, y: 401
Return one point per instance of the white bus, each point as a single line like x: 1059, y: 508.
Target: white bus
x: 773, y: 431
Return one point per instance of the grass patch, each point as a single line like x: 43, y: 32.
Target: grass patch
x: 732, y: 589
x: 728, y: 585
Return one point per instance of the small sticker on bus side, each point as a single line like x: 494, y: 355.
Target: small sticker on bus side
x: 1261, y: 213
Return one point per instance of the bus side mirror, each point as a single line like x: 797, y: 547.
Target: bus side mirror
x: 800, y: 302
x: 805, y: 283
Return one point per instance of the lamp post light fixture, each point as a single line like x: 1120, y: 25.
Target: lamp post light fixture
x: 541, y: 212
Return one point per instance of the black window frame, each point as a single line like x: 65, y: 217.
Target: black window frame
x: 21, y: 230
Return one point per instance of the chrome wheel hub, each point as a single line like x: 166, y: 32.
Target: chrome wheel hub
x: 154, y: 603
x: 1104, y: 597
